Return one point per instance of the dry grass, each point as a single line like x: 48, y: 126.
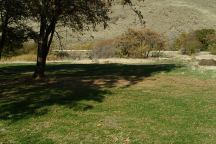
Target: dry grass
x: 104, y: 43
x: 30, y: 57
x: 29, y: 48
x: 86, y: 45
x: 24, y: 57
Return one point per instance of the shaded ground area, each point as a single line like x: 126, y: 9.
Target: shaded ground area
x: 20, y: 96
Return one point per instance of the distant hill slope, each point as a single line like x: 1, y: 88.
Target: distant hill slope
x: 169, y: 17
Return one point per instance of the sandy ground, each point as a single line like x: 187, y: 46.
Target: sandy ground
x: 96, y: 61
x: 167, y: 57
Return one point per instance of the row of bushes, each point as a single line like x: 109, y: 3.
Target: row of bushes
x: 132, y: 44
x: 196, y: 41
x: 142, y: 43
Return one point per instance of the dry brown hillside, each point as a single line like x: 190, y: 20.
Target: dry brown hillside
x: 169, y: 17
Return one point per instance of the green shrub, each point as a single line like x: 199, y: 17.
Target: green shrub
x: 16, y: 37
x: 203, y: 36
x: 195, y: 41
x: 212, y: 48
x: 139, y: 43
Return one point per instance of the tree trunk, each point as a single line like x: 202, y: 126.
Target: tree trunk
x: 41, y: 57
x: 46, y: 37
x: 41, y: 63
x: 4, y: 33
x: 47, y: 30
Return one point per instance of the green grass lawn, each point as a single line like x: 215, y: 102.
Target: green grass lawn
x: 95, y: 104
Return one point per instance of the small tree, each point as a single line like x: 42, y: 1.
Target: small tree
x: 78, y: 14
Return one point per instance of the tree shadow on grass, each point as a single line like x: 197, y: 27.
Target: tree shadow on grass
x: 67, y: 85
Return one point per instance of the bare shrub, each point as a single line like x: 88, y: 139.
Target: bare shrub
x: 191, y: 45
x: 104, y: 49
x: 132, y: 44
x: 179, y: 42
x: 188, y: 43
x: 139, y: 43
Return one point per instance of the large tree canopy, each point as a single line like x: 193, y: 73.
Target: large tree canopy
x: 77, y: 14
